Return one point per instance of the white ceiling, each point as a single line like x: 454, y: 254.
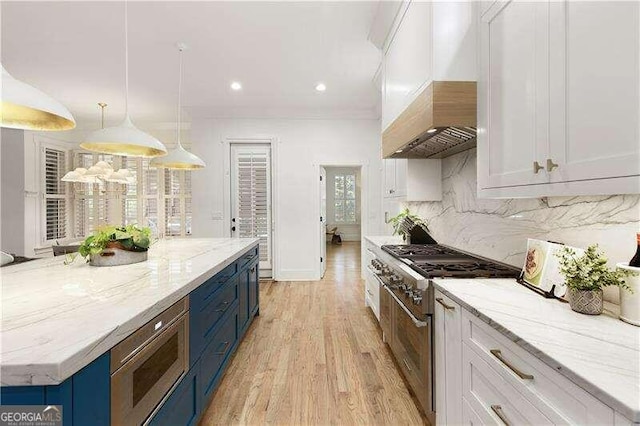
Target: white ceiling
x: 74, y: 51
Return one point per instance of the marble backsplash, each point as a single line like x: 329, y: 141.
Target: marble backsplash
x: 499, y: 229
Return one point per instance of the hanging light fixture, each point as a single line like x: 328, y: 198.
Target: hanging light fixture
x: 24, y: 107
x: 179, y: 158
x: 124, y: 139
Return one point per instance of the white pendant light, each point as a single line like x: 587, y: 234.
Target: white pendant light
x: 24, y: 107
x: 179, y: 158
x: 125, y: 139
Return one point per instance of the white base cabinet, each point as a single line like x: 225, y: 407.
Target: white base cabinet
x: 482, y: 377
x: 559, y: 98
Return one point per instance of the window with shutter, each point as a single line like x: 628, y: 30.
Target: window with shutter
x: 345, y: 198
x: 251, y: 187
x: 55, y: 194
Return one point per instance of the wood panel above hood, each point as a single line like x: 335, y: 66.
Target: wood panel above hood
x: 441, y: 105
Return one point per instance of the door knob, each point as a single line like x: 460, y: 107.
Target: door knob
x: 551, y: 165
x: 537, y: 167
x: 233, y: 229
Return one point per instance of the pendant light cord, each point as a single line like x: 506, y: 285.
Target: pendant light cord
x: 126, y: 59
x: 180, y: 50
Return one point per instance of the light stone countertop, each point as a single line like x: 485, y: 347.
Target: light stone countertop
x: 600, y: 354
x: 383, y: 240
x: 56, y: 319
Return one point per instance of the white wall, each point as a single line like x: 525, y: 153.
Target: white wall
x: 301, y: 146
x: 348, y: 232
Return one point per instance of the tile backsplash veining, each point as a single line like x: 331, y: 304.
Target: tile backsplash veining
x: 499, y: 228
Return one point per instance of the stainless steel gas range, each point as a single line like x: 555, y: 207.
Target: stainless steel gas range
x: 407, y: 304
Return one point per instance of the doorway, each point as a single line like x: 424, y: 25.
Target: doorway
x: 340, y: 212
x: 251, y: 198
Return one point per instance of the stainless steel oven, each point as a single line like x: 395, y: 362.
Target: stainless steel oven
x: 147, y: 365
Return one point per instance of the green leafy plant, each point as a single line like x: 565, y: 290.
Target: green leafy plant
x: 396, y: 221
x: 590, y: 271
x: 129, y: 237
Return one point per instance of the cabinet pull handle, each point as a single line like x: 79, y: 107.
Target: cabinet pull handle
x: 224, y: 304
x: 447, y: 307
x: 369, y: 291
x: 226, y: 345
x: 406, y: 364
x: 498, y: 354
x: 391, y: 191
x: 498, y: 410
x: 551, y: 165
x: 537, y: 167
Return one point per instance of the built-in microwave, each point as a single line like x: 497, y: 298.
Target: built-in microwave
x: 147, y: 365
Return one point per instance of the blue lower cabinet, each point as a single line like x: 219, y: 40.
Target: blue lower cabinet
x: 85, y: 397
x: 217, y: 352
x: 183, y: 406
x: 243, y: 300
x: 254, y: 288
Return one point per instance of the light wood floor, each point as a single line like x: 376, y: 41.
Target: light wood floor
x: 314, y: 356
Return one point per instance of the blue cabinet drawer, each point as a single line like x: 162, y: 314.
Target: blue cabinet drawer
x: 203, y: 294
x: 247, y: 257
x: 183, y: 406
x: 217, y: 351
x: 205, y: 320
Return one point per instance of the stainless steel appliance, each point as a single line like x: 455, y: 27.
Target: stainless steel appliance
x: 407, y: 305
x: 147, y: 365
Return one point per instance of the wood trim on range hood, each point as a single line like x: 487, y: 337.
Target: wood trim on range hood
x: 441, y: 105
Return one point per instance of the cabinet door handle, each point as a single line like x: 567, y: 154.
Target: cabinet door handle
x: 406, y: 364
x: 391, y: 191
x: 224, y: 349
x: 551, y: 165
x: 498, y: 354
x: 498, y: 410
x: 447, y: 307
x: 369, y: 291
x: 537, y: 167
x: 224, y: 307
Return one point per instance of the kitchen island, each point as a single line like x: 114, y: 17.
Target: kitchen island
x: 59, y: 322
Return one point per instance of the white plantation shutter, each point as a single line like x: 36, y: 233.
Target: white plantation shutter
x: 252, y: 192
x: 55, y: 194
x: 130, y: 204
x: 177, y: 202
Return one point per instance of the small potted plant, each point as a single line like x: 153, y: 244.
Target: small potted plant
x: 399, y: 222
x: 586, y: 275
x: 116, y: 245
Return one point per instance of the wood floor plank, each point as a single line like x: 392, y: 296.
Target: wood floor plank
x: 314, y: 356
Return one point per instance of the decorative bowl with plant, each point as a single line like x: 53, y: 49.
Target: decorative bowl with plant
x: 116, y: 245
x: 586, y: 275
x: 398, y: 221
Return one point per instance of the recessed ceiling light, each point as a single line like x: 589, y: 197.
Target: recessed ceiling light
x: 432, y: 130
x: 398, y: 151
x: 321, y: 87
x: 236, y: 85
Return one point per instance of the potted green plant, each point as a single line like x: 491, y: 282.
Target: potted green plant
x: 586, y: 275
x: 116, y: 245
x: 398, y: 221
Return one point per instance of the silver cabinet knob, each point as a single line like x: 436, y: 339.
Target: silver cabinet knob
x: 537, y: 167
x: 551, y: 165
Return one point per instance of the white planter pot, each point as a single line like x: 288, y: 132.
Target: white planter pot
x: 630, y: 302
x: 116, y: 257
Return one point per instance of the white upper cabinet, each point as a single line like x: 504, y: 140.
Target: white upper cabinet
x: 430, y: 41
x: 559, y: 99
x: 595, y: 101
x: 407, y: 61
x: 413, y: 179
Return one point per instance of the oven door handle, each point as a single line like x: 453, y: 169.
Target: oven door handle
x: 415, y: 320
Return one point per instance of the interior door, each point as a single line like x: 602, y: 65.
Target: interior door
x: 251, y: 198
x: 323, y: 221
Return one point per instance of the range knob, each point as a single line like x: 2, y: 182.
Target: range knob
x: 408, y: 292
x: 417, y: 299
x: 395, y: 279
x: 385, y: 270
